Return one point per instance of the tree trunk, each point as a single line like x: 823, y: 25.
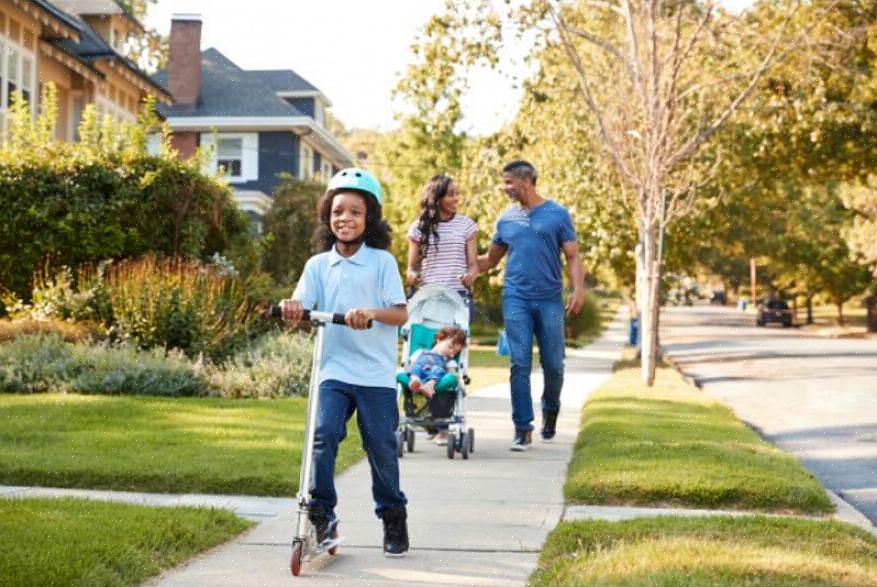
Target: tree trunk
x: 649, y: 335
x: 809, y: 309
x: 871, y: 312
x: 840, y: 313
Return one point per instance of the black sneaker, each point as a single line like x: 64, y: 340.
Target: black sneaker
x: 549, y: 426
x: 395, y: 532
x: 325, y: 528
x: 523, y: 440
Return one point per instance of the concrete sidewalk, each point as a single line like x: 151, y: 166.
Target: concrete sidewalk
x: 476, y: 522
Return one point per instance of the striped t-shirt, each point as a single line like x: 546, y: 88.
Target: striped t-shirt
x: 445, y: 260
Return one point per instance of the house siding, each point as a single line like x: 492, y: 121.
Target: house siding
x: 303, y: 105
x: 278, y: 151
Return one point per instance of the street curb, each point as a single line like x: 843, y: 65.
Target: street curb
x: 845, y: 512
x: 691, y: 380
x: 849, y: 514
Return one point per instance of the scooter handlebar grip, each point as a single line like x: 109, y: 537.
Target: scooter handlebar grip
x: 308, y: 315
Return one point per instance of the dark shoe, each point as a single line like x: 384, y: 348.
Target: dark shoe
x: 523, y: 440
x: 325, y: 528
x: 549, y: 426
x: 395, y: 532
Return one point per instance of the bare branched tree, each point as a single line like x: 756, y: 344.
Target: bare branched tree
x: 659, y: 78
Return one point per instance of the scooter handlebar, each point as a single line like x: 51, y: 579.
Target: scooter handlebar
x: 313, y: 316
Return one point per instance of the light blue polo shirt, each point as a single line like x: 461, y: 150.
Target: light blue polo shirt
x: 368, y: 279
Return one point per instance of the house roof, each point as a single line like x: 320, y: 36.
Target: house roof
x: 97, y: 8
x: 90, y: 47
x: 228, y: 90
x: 70, y: 23
x: 244, y: 101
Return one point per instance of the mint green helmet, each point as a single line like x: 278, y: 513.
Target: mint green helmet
x: 357, y: 179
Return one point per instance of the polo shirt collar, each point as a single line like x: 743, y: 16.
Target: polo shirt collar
x: 358, y: 258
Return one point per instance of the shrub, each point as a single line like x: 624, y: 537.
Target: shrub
x: 111, y: 370
x: 69, y: 204
x: 169, y: 303
x: 585, y: 322
x: 67, y: 331
x: 277, y: 364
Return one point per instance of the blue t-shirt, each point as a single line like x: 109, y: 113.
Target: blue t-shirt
x: 368, y: 279
x: 534, y: 240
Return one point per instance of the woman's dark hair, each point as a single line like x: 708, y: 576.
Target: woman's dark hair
x: 434, y: 190
x: 377, y: 231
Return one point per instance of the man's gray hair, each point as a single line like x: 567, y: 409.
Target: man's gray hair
x: 522, y: 169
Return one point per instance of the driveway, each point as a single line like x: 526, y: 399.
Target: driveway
x: 814, y: 397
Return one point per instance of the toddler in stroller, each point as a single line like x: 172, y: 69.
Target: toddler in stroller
x: 432, y: 384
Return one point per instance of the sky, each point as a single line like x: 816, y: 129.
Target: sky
x: 354, y: 51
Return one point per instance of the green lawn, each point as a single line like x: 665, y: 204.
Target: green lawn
x: 673, y: 445
x: 708, y: 551
x: 73, y: 543
x: 250, y: 447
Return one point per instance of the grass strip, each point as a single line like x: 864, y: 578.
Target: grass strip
x: 192, y: 445
x: 721, y: 551
x: 73, y: 542
x: 672, y: 445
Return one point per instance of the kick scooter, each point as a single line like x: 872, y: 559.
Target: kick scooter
x: 304, y: 541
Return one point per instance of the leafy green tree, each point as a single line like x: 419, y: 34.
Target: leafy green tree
x: 68, y: 204
x: 289, y: 225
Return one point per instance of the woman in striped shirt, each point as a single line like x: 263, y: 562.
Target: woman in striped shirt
x: 441, y: 243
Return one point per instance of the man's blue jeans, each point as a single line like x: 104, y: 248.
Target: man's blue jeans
x: 377, y: 415
x: 523, y: 319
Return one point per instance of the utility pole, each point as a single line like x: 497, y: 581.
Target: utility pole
x: 753, y: 294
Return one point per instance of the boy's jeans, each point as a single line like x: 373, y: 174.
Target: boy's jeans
x: 523, y: 319
x: 377, y: 415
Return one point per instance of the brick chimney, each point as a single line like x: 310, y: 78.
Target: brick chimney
x: 184, y: 62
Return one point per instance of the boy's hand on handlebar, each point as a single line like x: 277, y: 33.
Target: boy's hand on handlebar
x: 292, y: 311
x: 358, y: 319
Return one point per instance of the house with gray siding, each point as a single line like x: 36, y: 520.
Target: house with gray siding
x: 258, y: 123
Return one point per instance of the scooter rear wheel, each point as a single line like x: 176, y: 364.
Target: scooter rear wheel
x: 295, y: 560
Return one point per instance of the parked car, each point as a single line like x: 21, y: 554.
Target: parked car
x: 774, y: 311
x: 718, y: 297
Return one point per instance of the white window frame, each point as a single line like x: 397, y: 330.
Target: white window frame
x: 325, y: 170
x: 249, y: 155
x: 7, y: 46
x: 305, y: 160
x: 118, y: 113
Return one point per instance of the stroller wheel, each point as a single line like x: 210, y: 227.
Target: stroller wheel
x: 400, y: 444
x: 464, y: 445
x: 410, y: 439
x: 452, y: 445
x: 471, y: 435
x: 295, y: 560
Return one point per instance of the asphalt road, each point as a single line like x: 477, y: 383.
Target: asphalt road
x: 814, y: 397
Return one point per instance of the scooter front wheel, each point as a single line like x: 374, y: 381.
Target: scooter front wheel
x: 295, y: 560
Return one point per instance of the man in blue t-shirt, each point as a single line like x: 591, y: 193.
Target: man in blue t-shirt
x: 534, y: 231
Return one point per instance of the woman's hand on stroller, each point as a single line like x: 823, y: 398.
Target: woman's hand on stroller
x: 292, y: 311
x: 358, y: 319
x: 468, y: 278
x: 412, y: 276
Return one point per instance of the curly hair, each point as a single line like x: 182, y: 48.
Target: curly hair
x: 377, y: 231
x: 434, y: 190
x: 457, y: 335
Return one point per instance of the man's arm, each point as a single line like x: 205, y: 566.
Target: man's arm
x: 576, y: 277
x: 491, y: 258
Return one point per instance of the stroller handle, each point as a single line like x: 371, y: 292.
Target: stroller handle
x: 313, y: 316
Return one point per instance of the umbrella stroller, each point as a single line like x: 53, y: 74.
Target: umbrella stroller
x: 430, y: 309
